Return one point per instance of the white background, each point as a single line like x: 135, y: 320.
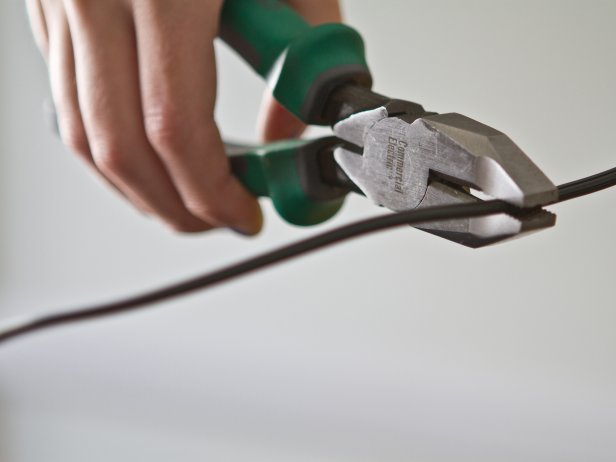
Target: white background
x: 395, y: 347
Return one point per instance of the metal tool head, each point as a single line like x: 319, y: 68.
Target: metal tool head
x: 403, y: 159
x: 478, y: 232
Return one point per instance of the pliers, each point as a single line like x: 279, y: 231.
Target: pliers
x: 393, y: 152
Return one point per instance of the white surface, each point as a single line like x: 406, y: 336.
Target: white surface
x: 394, y: 347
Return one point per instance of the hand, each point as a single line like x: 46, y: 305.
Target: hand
x: 134, y: 86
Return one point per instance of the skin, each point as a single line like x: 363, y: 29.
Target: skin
x: 134, y: 86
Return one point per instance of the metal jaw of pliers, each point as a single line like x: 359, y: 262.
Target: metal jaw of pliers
x: 403, y: 158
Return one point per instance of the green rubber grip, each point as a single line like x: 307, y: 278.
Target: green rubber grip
x: 281, y: 171
x: 302, y: 64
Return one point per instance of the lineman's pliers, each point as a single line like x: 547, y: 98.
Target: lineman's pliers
x: 392, y: 151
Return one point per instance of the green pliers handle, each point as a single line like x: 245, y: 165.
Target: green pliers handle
x: 302, y: 64
x: 293, y: 174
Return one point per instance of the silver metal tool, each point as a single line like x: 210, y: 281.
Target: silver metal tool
x: 402, y: 162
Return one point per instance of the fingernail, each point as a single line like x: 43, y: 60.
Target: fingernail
x: 246, y: 232
x: 251, y: 229
x: 241, y: 232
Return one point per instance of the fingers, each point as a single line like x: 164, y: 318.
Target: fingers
x: 275, y: 122
x: 38, y: 25
x: 52, y: 34
x: 177, y: 76
x: 110, y: 107
x: 63, y: 84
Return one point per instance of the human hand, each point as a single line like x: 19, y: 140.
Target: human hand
x: 134, y: 86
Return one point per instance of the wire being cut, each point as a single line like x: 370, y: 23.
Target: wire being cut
x: 20, y: 327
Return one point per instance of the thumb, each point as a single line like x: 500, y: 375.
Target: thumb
x: 275, y: 122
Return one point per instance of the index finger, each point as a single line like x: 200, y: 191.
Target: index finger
x: 178, y: 83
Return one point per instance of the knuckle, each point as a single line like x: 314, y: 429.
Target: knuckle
x: 110, y: 159
x: 74, y: 137
x: 82, y: 7
x: 210, y: 204
x: 164, y: 130
x: 209, y: 211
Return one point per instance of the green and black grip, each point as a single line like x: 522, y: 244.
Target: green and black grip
x: 294, y: 175
x: 302, y: 64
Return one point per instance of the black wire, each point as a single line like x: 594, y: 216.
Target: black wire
x: 568, y: 191
x: 587, y: 185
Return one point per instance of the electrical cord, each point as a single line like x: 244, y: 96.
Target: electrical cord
x: 587, y: 185
x: 19, y: 327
